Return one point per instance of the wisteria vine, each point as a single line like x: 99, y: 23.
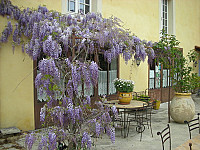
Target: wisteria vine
x: 62, y: 43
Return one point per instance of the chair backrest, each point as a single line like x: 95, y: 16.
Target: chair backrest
x: 193, y: 124
x: 165, y: 135
x: 190, y: 145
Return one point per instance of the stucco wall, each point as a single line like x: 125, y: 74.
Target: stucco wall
x: 142, y: 18
x: 16, y: 77
x: 188, y: 24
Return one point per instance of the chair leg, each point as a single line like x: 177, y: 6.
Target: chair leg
x: 151, y: 128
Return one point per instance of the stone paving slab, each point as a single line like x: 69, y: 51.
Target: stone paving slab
x: 11, y: 130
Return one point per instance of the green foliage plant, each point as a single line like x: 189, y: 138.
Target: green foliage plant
x: 168, y: 53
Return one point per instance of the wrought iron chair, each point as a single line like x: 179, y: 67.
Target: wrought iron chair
x: 193, y: 124
x: 165, y: 135
x: 142, y: 117
x: 190, y: 145
x: 147, y: 118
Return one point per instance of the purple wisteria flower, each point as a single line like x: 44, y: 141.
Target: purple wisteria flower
x: 114, y: 110
x: 98, y: 129
x: 94, y: 73
x: 52, y: 141
x: 43, y: 143
x: 30, y: 139
x: 42, y: 114
x: 86, y: 140
x: 51, y: 47
x: 7, y: 32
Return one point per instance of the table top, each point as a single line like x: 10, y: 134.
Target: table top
x: 133, y: 104
x: 195, y: 144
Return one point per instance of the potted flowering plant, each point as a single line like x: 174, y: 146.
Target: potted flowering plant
x: 183, y: 80
x: 125, y: 89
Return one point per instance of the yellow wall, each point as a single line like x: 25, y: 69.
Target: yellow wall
x: 188, y: 24
x: 141, y: 17
x: 16, y: 77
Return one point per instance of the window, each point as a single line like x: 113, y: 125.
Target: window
x: 164, y: 15
x: 154, y: 75
x: 158, y: 76
x: 79, y: 6
x: 167, y: 16
x: 107, y: 74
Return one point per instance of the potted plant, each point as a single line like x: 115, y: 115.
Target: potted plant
x: 156, y: 105
x: 124, y: 89
x: 170, y: 55
x: 182, y: 106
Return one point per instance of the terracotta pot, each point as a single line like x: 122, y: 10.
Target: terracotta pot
x: 125, y: 98
x: 182, y: 107
x: 156, y: 105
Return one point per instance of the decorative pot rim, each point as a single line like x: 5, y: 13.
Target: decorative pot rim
x: 124, y: 92
x: 183, y: 94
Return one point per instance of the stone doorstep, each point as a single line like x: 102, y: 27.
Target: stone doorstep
x: 8, y: 135
x: 9, y: 131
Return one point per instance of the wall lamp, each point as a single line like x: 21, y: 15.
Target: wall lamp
x: 138, y: 61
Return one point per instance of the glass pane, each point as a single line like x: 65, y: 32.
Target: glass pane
x: 87, y: 1
x: 151, y: 79
x: 102, y: 83
x: 81, y: 8
x: 166, y: 29
x: 164, y: 77
x: 158, y: 76
x: 165, y: 22
x: 72, y: 6
x: 165, y: 2
x: 151, y: 83
x: 81, y: 1
x: 112, y: 76
x: 87, y: 9
x: 165, y: 15
x: 165, y: 8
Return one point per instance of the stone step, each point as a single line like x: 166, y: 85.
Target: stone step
x: 9, y: 131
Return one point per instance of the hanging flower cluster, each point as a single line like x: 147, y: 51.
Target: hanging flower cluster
x: 50, y: 33
x: 63, y: 43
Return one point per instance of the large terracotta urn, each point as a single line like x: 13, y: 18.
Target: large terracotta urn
x: 182, y: 107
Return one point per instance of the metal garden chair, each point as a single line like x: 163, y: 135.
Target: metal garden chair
x: 165, y: 135
x: 193, y: 124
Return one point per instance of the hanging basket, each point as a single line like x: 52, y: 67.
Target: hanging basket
x: 125, y: 98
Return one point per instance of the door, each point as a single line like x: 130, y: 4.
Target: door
x: 159, y: 82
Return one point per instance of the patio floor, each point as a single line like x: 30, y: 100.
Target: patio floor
x: 179, y: 133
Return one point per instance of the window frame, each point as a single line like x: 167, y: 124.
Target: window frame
x: 77, y: 4
x: 165, y: 15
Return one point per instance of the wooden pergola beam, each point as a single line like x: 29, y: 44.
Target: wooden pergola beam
x: 197, y: 48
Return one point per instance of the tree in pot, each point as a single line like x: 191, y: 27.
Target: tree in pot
x: 183, y: 80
